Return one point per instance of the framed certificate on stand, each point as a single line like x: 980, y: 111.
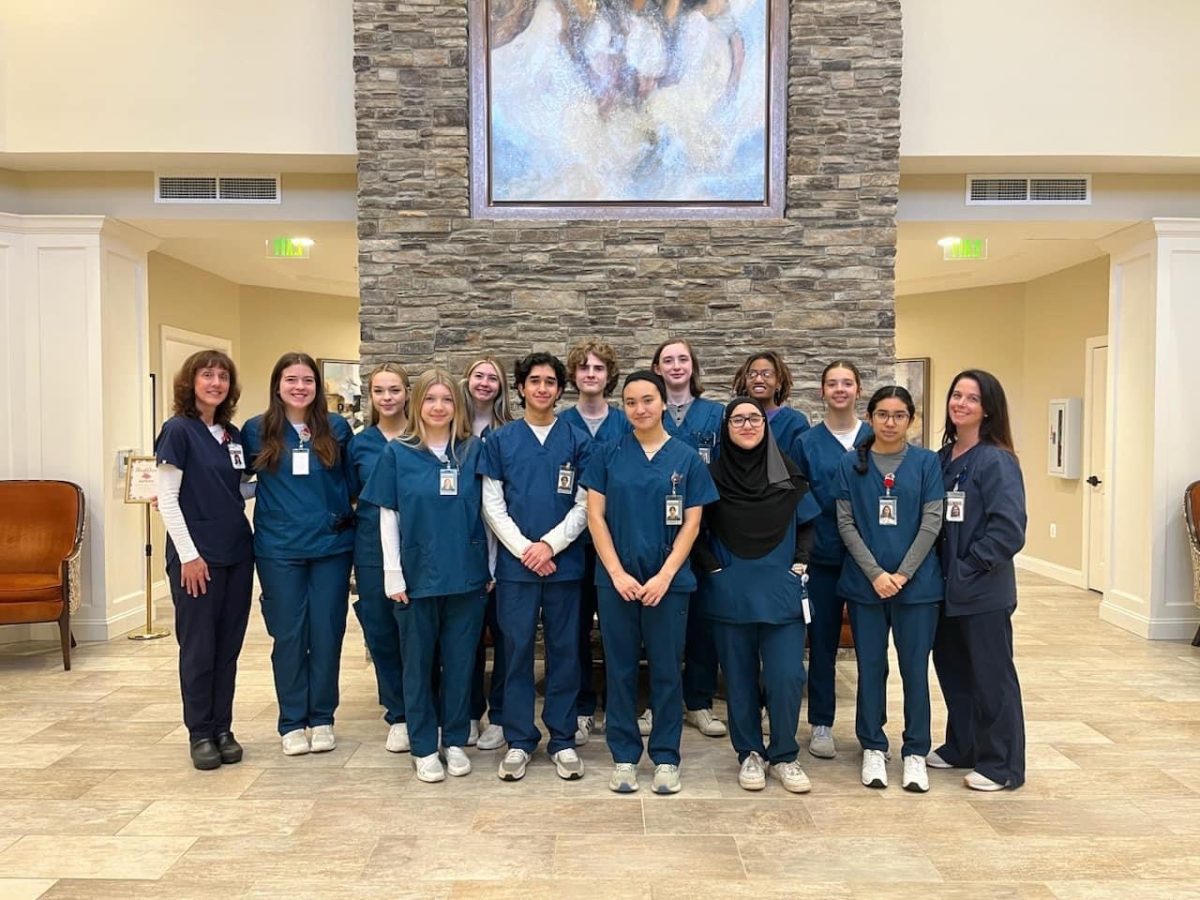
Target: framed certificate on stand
x: 141, y: 486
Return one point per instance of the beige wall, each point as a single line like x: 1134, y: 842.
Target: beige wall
x: 1032, y: 337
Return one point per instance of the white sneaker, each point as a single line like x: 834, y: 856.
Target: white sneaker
x: 512, y: 767
x: 295, y: 743
x: 429, y: 768
x: 915, y: 778
x: 584, y: 725
x: 457, y: 763
x: 645, y: 723
x: 322, y: 739
x: 752, y: 777
x: 397, y: 739
x: 473, y: 735
x: 874, y: 769
x: 568, y: 764
x: 936, y: 762
x: 977, y: 782
x: 821, y: 743
x: 624, y: 778
x: 666, y: 779
x: 766, y: 722
x: 705, y: 722
x: 492, y: 738
x: 792, y: 777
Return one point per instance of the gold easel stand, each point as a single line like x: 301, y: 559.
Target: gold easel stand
x: 151, y: 633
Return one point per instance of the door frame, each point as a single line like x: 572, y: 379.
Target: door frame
x: 1090, y: 346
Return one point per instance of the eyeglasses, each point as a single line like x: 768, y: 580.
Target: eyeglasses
x: 883, y: 416
x: 760, y: 375
x: 754, y: 421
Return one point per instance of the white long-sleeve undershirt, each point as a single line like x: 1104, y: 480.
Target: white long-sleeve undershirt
x: 170, y: 480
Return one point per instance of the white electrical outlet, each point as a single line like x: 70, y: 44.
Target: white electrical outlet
x: 1053, y: 530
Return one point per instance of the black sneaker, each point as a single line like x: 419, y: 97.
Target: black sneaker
x: 205, y: 754
x: 231, y: 750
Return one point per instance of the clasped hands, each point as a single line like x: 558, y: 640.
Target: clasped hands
x: 648, y: 594
x: 888, y: 584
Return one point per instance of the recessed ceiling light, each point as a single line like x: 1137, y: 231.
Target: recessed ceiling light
x: 949, y: 241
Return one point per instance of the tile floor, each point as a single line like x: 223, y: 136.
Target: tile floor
x: 98, y: 799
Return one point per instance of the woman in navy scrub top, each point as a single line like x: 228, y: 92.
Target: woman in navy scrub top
x: 984, y: 530
x: 754, y: 551
x: 645, y: 498
x: 889, y: 507
x: 387, y: 388
x: 696, y: 422
x: 435, y: 566
x: 210, y: 551
x: 303, y: 547
x: 488, y: 409
x: 766, y: 377
x: 819, y: 452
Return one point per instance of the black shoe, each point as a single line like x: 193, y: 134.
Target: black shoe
x: 205, y: 754
x: 231, y: 750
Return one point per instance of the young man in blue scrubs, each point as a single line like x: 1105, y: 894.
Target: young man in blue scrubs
x: 535, y: 507
x: 593, y: 369
x: 696, y: 422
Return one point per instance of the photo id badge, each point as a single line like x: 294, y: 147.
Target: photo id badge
x: 566, y: 479
x: 299, y: 462
x: 887, y: 510
x: 807, y: 607
x: 674, y: 509
x: 705, y: 454
x: 237, y: 457
x: 956, y: 506
x: 448, y: 482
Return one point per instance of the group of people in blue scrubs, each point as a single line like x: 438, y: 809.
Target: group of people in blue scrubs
x: 703, y: 537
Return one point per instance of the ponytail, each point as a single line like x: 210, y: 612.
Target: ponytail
x: 864, y: 450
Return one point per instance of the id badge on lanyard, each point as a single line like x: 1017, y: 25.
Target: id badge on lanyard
x: 956, y: 503
x: 237, y: 458
x: 888, y: 509
x: 300, y: 456
x: 566, y: 479
x: 448, y: 482
x: 705, y: 441
x: 674, y: 503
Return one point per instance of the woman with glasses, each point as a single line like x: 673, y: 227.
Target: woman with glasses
x: 754, y: 550
x: 766, y: 378
x: 889, y: 509
x: 984, y: 530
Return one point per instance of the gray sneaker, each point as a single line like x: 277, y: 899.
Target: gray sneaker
x: 666, y: 779
x: 821, y: 744
x: 512, y: 767
x: 568, y: 764
x: 624, y: 778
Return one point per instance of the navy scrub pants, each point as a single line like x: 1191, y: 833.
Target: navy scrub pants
x: 985, y: 730
x: 304, y: 606
x: 777, y: 653
x: 375, y: 613
x: 627, y: 626
x: 699, y: 664
x: 491, y: 700
x: 588, y: 604
x: 210, y: 630
x: 824, y: 635
x: 913, y: 626
x: 431, y: 626
x: 519, y: 603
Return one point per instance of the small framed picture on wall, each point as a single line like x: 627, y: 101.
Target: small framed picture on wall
x: 913, y: 375
x: 343, y: 389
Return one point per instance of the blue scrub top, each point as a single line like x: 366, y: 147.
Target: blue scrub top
x: 788, y: 426
x: 365, y: 449
x: 443, y: 547
x: 302, y: 516
x: 529, y: 470
x: 763, y: 590
x: 613, y: 428
x: 818, y: 456
x: 918, y: 481
x: 209, y: 496
x: 635, y: 491
x: 977, y: 553
x: 701, y: 426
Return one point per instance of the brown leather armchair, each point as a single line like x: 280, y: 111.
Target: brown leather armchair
x: 1191, y: 515
x: 41, y: 536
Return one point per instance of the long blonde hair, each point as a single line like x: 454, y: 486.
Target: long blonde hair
x: 391, y: 368
x: 500, y: 413
x: 414, y: 433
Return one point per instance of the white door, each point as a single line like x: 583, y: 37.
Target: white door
x: 177, y: 345
x: 1096, y: 499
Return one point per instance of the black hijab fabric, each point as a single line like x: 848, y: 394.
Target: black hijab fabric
x: 760, y: 489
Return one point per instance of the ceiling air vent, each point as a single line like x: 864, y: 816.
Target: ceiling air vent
x: 216, y: 189
x: 1028, y: 190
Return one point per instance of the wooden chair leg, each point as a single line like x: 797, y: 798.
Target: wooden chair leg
x: 65, y: 637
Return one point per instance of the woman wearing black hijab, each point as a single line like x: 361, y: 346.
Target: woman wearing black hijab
x: 754, y: 550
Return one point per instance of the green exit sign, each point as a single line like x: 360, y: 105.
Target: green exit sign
x: 967, y: 248
x: 289, y: 248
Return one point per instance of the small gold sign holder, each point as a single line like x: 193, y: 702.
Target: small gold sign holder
x: 141, y: 486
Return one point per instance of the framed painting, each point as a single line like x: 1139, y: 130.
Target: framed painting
x: 913, y: 374
x: 636, y: 109
x: 343, y: 390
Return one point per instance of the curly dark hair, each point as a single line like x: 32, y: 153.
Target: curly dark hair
x: 185, y: 385
x: 523, y: 367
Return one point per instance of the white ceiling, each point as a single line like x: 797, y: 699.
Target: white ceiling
x: 1017, y: 252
